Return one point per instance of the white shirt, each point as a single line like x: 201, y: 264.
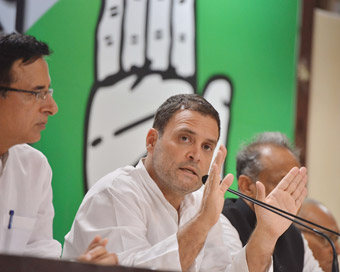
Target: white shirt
x: 234, y: 244
x: 127, y: 207
x: 25, y: 188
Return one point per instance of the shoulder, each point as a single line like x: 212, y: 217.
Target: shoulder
x: 29, y: 162
x: 120, y: 188
x: 122, y: 180
x: 27, y: 154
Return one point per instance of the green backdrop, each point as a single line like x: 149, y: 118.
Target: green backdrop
x: 254, y: 43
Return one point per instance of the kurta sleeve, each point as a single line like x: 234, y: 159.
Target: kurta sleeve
x: 217, y: 255
x: 120, y: 218
x: 41, y: 242
x: 232, y: 240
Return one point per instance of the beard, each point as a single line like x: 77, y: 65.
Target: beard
x: 170, y: 176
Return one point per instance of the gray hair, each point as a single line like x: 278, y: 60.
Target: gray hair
x: 248, y: 161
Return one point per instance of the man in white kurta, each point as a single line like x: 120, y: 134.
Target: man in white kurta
x: 153, y: 214
x: 26, y: 102
x: 25, y: 175
x: 128, y: 207
x: 25, y: 180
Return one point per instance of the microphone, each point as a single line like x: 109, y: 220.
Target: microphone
x: 335, y: 265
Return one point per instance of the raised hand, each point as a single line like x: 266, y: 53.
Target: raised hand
x: 192, y: 236
x: 288, y: 195
x: 213, y: 197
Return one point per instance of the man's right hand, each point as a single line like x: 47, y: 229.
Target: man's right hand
x: 191, y: 237
x: 213, y: 197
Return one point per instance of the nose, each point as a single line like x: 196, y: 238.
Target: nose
x: 49, y: 106
x: 194, y: 154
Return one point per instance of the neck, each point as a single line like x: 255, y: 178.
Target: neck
x: 174, y: 199
x: 3, y: 148
x: 6, y: 141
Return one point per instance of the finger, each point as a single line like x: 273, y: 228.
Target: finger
x: 107, y: 259
x: 301, y: 198
x: 99, y: 244
x: 84, y: 258
x: 183, y: 42
x: 93, y: 255
x: 220, y: 156
x: 303, y: 170
x: 133, y: 51
x: 216, y: 167
x: 97, y: 252
x: 299, y: 189
x: 212, y: 177
x: 158, y: 34
x: 95, y: 242
x: 94, y: 249
x: 296, y: 182
x: 260, y: 191
x: 226, y: 182
x: 104, y: 242
x: 288, y: 179
x: 109, y: 34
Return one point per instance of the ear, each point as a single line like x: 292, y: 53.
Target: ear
x: 247, y: 186
x: 151, y: 140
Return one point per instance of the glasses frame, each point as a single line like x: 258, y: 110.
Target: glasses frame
x: 39, y: 95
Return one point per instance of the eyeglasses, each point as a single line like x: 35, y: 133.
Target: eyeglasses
x: 39, y: 96
x: 334, y: 238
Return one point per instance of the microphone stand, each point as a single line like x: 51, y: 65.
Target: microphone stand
x: 335, y: 265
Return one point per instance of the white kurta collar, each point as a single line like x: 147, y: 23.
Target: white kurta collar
x: 187, y: 203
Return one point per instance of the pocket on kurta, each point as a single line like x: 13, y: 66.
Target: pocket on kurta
x: 13, y: 240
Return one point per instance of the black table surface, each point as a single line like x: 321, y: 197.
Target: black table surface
x: 12, y: 263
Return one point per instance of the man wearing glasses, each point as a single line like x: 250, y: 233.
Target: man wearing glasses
x: 26, y: 102
x: 321, y: 248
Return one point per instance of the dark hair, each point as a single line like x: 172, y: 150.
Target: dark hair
x: 178, y: 102
x: 18, y: 46
x: 248, y: 161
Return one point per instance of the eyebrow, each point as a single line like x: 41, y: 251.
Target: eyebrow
x: 41, y: 87
x: 189, y: 131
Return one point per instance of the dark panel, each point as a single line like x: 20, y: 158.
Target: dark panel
x: 9, y: 263
x: 303, y: 76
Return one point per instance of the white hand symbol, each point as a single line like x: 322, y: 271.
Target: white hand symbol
x: 145, y: 53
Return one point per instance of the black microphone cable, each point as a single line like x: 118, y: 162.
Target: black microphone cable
x: 335, y: 265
